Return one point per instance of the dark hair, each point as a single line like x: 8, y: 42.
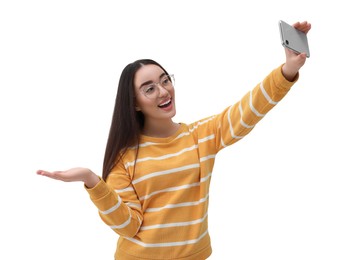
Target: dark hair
x: 127, y: 123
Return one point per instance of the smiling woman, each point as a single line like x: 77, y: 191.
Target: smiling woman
x: 154, y: 191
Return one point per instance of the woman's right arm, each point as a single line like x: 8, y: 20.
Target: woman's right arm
x: 117, y: 202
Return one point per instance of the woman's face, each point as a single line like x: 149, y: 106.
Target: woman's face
x: 156, y: 101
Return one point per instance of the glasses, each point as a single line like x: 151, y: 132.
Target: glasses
x: 152, y: 90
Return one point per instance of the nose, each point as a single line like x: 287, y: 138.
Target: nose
x: 162, y: 91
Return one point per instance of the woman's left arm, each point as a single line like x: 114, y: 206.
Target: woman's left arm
x: 238, y: 120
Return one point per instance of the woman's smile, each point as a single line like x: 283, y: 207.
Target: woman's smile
x: 166, y: 105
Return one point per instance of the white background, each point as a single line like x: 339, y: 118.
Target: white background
x: 286, y: 191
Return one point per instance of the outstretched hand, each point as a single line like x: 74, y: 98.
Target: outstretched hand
x: 295, y: 61
x: 75, y: 174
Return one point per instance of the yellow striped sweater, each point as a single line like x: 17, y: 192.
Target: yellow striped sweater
x: 158, y: 204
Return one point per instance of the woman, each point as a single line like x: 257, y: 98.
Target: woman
x: 156, y: 173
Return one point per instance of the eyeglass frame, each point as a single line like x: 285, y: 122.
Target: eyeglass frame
x: 171, y: 83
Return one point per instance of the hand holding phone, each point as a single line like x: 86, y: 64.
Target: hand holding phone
x: 293, y: 39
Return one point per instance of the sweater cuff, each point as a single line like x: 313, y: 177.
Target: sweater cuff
x: 100, y: 190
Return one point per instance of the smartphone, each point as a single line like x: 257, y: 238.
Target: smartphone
x: 293, y: 39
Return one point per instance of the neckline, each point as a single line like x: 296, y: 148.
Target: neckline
x: 146, y: 138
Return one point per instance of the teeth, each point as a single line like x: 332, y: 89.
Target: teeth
x: 165, y: 103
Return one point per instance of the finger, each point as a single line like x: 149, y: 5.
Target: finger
x: 296, y: 25
x: 301, y: 59
x: 303, y: 56
x: 303, y: 26
x: 308, y: 28
x: 53, y: 175
x: 42, y: 172
x: 300, y: 24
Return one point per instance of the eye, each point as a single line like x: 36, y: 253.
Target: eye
x: 165, y: 81
x: 149, y: 89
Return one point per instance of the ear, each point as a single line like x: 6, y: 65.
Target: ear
x: 137, y: 108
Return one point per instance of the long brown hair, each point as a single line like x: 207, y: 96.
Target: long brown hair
x: 127, y: 123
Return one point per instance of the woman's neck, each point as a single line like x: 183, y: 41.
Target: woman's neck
x: 160, y: 129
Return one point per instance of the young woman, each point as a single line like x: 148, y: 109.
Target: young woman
x: 156, y: 173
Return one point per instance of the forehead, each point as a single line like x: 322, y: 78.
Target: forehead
x: 148, y: 72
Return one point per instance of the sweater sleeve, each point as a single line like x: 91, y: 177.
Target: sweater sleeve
x: 238, y: 120
x: 117, y: 203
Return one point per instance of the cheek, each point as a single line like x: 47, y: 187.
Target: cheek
x: 143, y: 103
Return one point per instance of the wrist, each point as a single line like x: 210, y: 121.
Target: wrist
x: 91, y: 180
x: 289, y: 73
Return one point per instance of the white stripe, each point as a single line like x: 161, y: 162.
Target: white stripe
x: 181, y: 135
x: 207, y: 157
x: 139, y: 219
x: 147, y: 144
x: 133, y: 205
x: 176, y: 224
x: 187, y: 186
x: 166, y: 156
x: 168, y: 244
x: 125, y: 190
x: 126, y: 223
x: 254, y: 110
x: 202, y: 140
x: 201, y: 123
x: 151, y: 143
x: 154, y: 174
x: 179, y: 205
x: 205, y: 178
x: 230, y: 125
x: 221, y: 140
x: 241, y: 120
x: 105, y: 212
x: 266, y: 95
x: 246, y: 125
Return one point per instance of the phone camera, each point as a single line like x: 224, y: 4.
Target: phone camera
x: 286, y: 42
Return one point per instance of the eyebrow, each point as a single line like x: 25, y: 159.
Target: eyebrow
x: 150, y: 81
